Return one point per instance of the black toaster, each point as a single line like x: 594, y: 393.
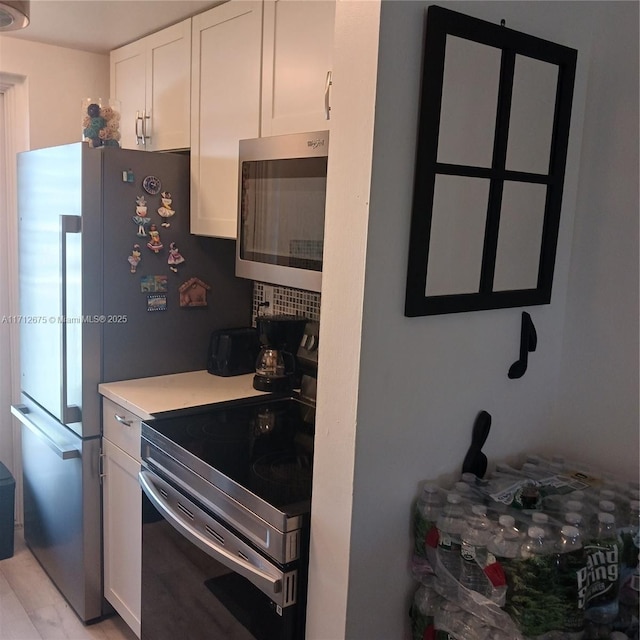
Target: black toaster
x: 233, y: 352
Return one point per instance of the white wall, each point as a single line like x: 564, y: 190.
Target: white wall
x: 599, y: 385
x: 57, y: 79
x: 420, y: 382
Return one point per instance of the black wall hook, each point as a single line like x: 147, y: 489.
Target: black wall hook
x: 528, y: 342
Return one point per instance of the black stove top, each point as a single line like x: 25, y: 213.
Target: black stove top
x: 263, y: 446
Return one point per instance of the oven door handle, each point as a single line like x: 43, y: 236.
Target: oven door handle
x: 269, y: 583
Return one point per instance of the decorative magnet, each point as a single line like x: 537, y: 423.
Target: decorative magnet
x: 165, y: 211
x: 141, y: 218
x: 127, y: 176
x: 193, y: 293
x: 157, y: 302
x: 174, y: 258
x: 151, y: 185
x: 134, y: 258
x: 154, y: 239
x: 153, y: 284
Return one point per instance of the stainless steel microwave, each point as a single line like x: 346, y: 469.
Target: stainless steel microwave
x: 281, y: 201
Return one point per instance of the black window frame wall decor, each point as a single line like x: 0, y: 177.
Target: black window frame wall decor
x: 441, y: 23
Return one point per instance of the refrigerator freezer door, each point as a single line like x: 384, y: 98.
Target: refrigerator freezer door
x: 62, y: 507
x: 49, y: 197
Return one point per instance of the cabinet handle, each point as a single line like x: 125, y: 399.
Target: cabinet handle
x: 327, y: 88
x: 101, y: 473
x: 139, y: 120
x: 122, y: 420
x: 145, y: 136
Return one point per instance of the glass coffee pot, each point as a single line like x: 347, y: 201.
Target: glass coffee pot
x: 271, y: 373
x: 279, y: 337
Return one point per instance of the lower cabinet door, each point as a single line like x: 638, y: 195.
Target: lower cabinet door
x: 122, y: 518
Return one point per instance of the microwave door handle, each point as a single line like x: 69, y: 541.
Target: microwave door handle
x: 269, y: 584
x: 327, y: 89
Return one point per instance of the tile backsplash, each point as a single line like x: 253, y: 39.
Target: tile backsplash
x: 284, y: 300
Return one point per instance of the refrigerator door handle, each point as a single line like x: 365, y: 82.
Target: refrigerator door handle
x: 68, y: 224
x: 20, y: 411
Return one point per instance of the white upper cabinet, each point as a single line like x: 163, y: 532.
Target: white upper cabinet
x: 296, y: 65
x: 225, y: 108
x: 151, y: 79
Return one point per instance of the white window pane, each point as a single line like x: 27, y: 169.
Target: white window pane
x: 469, y: 103
x: 531, y: 122
x: 519, y: 236
x: 457, y: 235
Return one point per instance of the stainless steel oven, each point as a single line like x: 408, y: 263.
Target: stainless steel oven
x: 226, y: 502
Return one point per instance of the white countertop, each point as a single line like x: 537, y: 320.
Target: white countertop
x: 147, y: 396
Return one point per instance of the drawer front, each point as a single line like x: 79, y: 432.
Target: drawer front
x: 121, y: 427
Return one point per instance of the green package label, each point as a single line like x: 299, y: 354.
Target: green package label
x: 569, y: 567
x: 598, y: 579
x: 534, y: 600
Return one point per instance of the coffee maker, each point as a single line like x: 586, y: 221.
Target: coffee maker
x: 276, y: 366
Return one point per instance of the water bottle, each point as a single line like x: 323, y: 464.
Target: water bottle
x: 600, y: 580
x: 506, y: 543
x: 536, y: 472
x: 428, y: 508
x: 473, y: 551
x: 423, y: 609
x: 539, y: 519
x: 503, y: 549
x: 530, y: 594
x: 444, y: 620
x: 603, y: 506
x: 577, y: 520
x: 469, y: 478
x: 576, y: 506
x: 570, y: 565
x: 628, y: 596
x: 466, y: 492
x: 454, y: 623
x: 504, y: 469
x: 450, y: 524
x: 538, y: 460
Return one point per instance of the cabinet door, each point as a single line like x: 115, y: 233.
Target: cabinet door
x: 122, y: 532
x: 127, y: 84
x: 152, y: 80
x: 168, y: 88
x: 225, y: 108
x: 297, y: 58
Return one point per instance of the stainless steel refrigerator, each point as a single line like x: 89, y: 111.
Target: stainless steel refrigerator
x: 100, y: 300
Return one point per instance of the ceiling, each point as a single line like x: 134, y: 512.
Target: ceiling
x: 103, y: 25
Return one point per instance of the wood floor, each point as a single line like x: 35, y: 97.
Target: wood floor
x: 31, y: 608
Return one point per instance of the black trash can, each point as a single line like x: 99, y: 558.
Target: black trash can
x: 7, y: 498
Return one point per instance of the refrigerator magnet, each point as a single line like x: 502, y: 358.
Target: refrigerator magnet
x: 152, y: 185
x: 175, y: 258
x: 154, y: 243
x: 165, y: 211
x: 157, y: 302
x: 141, y: 218
x: 153, y: 284
x: 134, y: 258
x: 193, y: 293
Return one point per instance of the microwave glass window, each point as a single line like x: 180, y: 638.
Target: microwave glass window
x: 282, y: 209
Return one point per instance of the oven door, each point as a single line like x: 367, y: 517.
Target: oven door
x: 201, y: 581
